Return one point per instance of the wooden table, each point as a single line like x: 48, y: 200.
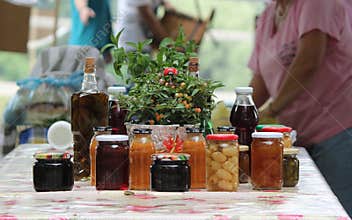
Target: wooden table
x: 311, y: 199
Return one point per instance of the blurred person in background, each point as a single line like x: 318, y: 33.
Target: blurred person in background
x: 302, y: 63
x: 91, y: 24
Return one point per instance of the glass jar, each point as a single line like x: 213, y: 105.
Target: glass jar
x: 290, y: 167
x: 170, y: 172
x: 286, y: 131
x: 259, y: 128
x: 141, y: 150
x: 244, y: 164
x: 222, y: 160
x: 226, y: 130
x: 53, y: 171
x: 93, y: 149
x: 194, y: 145
x: 112, y: 162
x: 266, y: 160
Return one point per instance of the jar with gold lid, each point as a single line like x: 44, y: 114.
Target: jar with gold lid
x: 290, y: 167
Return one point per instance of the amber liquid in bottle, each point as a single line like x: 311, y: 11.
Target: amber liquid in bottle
x: 89, y: 109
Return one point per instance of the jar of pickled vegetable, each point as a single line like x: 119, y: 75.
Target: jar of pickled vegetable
x: 93, y: 149
x: 286, y: 131
x: 194, y: 145
x: 244, y: 164
x: 141, y: 150
x: 290, y: 167
x: 222, y: 158
x: 266, y: 160
x: 226, y: 130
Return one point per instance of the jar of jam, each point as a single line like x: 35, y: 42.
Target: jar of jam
x: 170, y: 172
x: 53, y: 171
x: 141, y: 150
x: 93, y: 149
x: 244, y: 164
x: 286, y: 131
x: 112, y: 162
x: 226, y: 130
x: 259, y: 128
x: 290, y: 167
x: 266, y: 160
x: 222, y: 160
x: 195, y: 145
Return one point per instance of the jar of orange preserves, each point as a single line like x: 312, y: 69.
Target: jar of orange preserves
x: 93, y: 149
x: 266, y: 160
x: 195, y: 145
x: 141, y: 150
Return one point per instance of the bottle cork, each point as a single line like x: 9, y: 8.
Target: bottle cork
x: 89, y: 66
x: 193, y: 65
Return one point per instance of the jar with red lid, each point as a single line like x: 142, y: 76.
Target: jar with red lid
x: 112, y: 162
x: 286, y: 131
x: 222, y: 158
x: 266, y: 160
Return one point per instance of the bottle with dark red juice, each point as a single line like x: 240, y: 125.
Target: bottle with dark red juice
x: 244, y: 115
x: 117, y: 115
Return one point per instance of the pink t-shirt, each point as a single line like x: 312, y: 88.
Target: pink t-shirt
x: 324, y: 108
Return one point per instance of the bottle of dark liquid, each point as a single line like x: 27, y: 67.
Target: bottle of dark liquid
x: 89, y: 109
x: 244, y: 115
x: 117, y: 115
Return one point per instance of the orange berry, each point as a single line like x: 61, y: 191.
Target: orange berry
x: 198, y: 110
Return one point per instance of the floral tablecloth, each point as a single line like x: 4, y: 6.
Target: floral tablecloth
x: 311, y: 199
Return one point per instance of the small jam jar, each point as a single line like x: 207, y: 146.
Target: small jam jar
x: 112, y: 162
x: 53, y: 171
x: 286, y: 131
x: 266, y: 160
x: 226, y: 130
x: 244, y: 164
x: 290, y: 167
x: 170, y: 172
x: 222, y: 160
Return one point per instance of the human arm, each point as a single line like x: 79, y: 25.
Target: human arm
x: 260, y: 92
x: 85, y: 12
x: 310, y: 54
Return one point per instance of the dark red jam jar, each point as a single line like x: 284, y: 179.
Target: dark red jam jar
x: 112, y: 162
x: 170, y: 172
x: 53, y: 171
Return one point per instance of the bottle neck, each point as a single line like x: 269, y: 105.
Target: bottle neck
x: 89, y: 83
x: 244, y: 99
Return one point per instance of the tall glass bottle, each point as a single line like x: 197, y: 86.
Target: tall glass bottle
x: 117, y: 115
x: 89, y: 109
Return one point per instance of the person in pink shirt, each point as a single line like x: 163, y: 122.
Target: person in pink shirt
x: 302, y: 64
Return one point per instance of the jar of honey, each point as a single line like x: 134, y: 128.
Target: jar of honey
x: 222, y: 162
x: 226, y: 130
x: 290, y: 167
x: 286, y: 131
x: 93, y: 149
x: 244, y: 164
x: 195, y: 145
x: 141, y: 150
x: 266, y: 160
x: 112, y: 162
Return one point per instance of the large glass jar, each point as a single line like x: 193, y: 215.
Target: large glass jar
x: 141, y: 150
x: 226, y: 130
x: 170, y: 172
x: 194, y: 145
x: 93, y: 149
x: 53, y: 171
x: 290, y: 167
x: 222, y: 160
x: 244, y: 164
x: 286, y: 131
x: 112, y: 162
x: 266, y: 160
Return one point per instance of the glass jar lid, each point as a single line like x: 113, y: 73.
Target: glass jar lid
x: 171, y: 157
x: 260, y: 127
x: 194, y: 130
x: 52, y: 156
x: 111, y: 138
x: 142, y: 131
x: 277, y: 129
x: 243, y: 148
x: 244, y: 90
x: 291, y: 151
x: 267, y: 135
x: 102, y: 128
x: 222, y: 137
x: 226, y: 129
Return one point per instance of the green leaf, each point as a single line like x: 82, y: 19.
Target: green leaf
x: 106, y: 47
x: 113, y: 39
x: 166, y: 42
x: 134, y: 45
x: 194, y: 92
